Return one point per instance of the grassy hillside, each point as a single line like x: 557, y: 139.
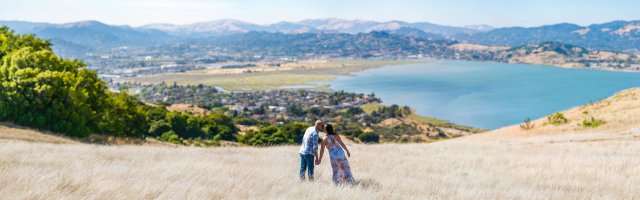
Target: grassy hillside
x: 549, y: 161
x: 419, y: 119
x: 617, y: 113
x: 564, y: 167
x: 553, y: 54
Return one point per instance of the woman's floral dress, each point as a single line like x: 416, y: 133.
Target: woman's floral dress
x: 339, y: 162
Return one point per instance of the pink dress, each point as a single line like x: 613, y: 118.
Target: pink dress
x: 339, y: 162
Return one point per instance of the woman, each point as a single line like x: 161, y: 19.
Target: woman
x: 339, y: 162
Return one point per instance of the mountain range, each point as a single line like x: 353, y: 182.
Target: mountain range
x: 615, y: 36
x: 329, y: 25
x: 86, y: 35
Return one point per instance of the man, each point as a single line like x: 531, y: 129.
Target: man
x: 309, y: 150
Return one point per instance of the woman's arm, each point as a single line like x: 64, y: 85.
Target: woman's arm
x: 343, y: 146
x: 322, y: 144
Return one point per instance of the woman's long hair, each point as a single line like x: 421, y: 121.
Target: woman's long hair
x: 329, y: 129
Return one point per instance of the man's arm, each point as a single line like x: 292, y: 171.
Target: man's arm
x: 314, y: 146
x: 322, y: 145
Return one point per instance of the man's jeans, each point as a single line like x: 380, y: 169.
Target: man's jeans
x: 306, y: 163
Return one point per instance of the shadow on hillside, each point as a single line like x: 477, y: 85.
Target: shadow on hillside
x: 17, y: 132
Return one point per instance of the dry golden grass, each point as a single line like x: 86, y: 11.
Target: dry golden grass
x: 548, y: 162
x: 187, y: 108
x: 567, y: 166
x: 10, y: 131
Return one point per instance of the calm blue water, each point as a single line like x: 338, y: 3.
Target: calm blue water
x: 485, y: 94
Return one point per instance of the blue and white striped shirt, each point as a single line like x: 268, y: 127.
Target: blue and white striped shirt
x: 309, y: 141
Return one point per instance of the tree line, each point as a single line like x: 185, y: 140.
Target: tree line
x: 41, y: 90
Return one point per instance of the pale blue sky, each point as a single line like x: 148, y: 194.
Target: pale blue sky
x: 449, y: 12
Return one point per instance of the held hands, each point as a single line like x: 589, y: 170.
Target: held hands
x: 317, y: 161
x: 348, y: 154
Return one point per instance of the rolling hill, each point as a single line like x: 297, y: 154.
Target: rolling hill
x: 76, y: 39
x: 610, y: 46
x: 97, y: 34
x: 231, y: 26
x: 549, y: 161
x: 328, y: 25
x: 552, y: 54
x: 612, y: 36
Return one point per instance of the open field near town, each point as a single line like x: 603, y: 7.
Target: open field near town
x: 269, y: 77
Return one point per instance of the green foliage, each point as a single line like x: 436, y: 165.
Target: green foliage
x: 214, y: 126
x: 557, y: 119
x: 125, y: 117
x: 178, y: 122
x: 273, y: 135
x: 592, y: 122
x: 354, y: 111
x: 295, y: 110
x: 199, y: 142
x: 369, y: 137
x: 159, y: 127
x: 404, y: 139
x: 171, y: 137
x: 395, y: 133
x: 41, y: 90
x: 352, y: 132
x: 10, y: 42
x: 393, y: 111
x: 293, y: 132
x: 249, y: 122
x: 319, y: 111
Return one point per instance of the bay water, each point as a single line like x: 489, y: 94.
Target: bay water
x: 486, y: 94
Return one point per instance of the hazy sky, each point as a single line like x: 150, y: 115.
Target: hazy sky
x: 448, y: 12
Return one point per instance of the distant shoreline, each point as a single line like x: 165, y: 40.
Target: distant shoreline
x: 269, y: 77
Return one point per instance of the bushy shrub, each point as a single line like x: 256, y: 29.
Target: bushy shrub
x: 369, y: 137
x: 592, y: 122
x: 354, y: 111
x: 170, y: 137
x: 249, y: 122
x: 273, y: 135
x: 557, y: 119
x: 125, y: 116
x: 352, y: 132
x: 393, y: 134
x: 159, y: 127
x: 404, y: 139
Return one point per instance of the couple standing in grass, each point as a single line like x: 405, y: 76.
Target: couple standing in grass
x: 335, y: 146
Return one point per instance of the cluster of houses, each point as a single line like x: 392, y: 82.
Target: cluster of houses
x: 283, y: 103
x: 270, y: 105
